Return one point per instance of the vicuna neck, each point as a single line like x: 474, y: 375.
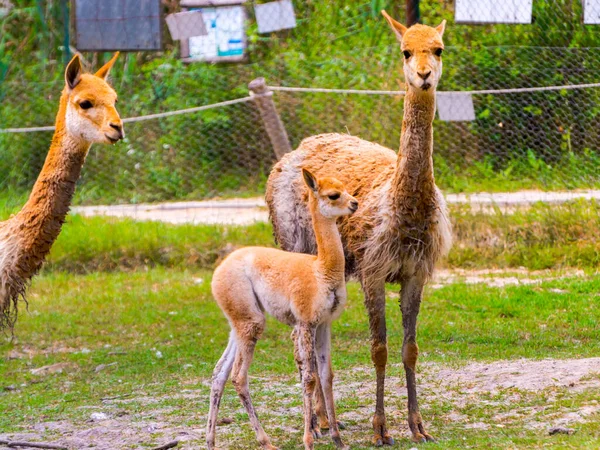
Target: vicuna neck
x: 330, y: 253
x: 414, y: 170
x: 39, y: 223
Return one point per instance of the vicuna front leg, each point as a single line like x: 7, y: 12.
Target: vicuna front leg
x: 323, y: 350
x: 410, y: 296
x: 321, y: 420
x: 319, y: 416
x: 375, y: 303
x: 305, y: 358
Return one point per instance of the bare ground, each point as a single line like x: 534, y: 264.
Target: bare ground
x: 506, y: 392
x: 245, y: 211
x: 500, y: 277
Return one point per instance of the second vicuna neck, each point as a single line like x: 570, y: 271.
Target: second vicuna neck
x: 330, y: 253
x: 414, y: 178
x: 39, y: 223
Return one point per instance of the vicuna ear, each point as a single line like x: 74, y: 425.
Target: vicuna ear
x: 441, y: 27
x: 397, y: 27
x: 73, y: 72
x: 105, y: 69
x: 310, y: 180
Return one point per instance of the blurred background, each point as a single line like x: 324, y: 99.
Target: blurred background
x: 490, y: 138
x: 121, y: 334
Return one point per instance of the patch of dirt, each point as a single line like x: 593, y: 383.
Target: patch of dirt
x: 505, y: 390
x: 26, y: 351
x: 501, y: 277
x: 523, y: 374
x: 245, y: 211
x: 112, y: 434
x: 53, y: 368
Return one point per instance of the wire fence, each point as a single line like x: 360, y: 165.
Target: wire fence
x: 518, y: 104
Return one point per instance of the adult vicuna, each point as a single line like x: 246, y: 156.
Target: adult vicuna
x: 302, y: 291
x: 86, y: 115
x: 402, y: 228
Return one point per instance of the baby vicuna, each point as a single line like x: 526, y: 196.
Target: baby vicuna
x: 306, y: 292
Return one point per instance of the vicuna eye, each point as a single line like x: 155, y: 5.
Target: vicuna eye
x: 406, y: 54
x: 86, y: 104
x: 333, y: 196
x: 438, y: 52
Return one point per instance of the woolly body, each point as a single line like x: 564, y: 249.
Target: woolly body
x: 387, y: 237
x: 280, y: 286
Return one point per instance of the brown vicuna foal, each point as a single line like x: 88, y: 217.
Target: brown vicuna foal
x: 304, y: 291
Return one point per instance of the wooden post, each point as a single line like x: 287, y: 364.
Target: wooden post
x: 263, y: 97
x: 413, y: 14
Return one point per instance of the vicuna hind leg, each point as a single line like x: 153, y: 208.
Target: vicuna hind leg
x: 323, y: 351
x: 305, y: 358
x: 248, y: 337
x: 220, y: 377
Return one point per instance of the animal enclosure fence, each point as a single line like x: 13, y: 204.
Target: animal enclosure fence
x: 225, y: 149
x: 528, y: 116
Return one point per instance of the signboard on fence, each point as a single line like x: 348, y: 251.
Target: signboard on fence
x: 103, y: 25
x: 5, y: 7
x: 225, y: 39
x: 185, y: 25
x: 455, y: 107
x: 591, y: 12
x: 275, y: 16
x: 493, y: 11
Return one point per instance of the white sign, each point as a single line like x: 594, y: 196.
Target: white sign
x: 186, y: 24
x: 591, y: 12
x: 225, y: 34
x: 493, y: 11
x: 5, y: 7
x: 275, y: 16
x: 455, y: 107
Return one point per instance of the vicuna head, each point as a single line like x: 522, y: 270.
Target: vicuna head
x: 422, y: 48
x: 330, y: 196
x: 91, y: 114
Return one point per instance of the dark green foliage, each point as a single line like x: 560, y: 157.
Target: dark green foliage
x: 526, y: 140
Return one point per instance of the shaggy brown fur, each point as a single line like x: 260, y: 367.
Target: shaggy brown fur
x: 402, y: 227
x: 26, y: 238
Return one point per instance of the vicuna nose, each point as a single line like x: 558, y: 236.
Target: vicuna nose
x: 353, y: 205
x: 424, y: 75
x: 118, y: 127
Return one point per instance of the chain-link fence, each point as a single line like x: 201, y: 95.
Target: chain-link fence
x: 518, y: 137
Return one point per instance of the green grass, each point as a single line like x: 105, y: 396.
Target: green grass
x: 89, y: 244
x: 543, y: 236
x: 123, y: 319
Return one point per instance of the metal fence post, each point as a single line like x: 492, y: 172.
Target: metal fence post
x: 263, y: 97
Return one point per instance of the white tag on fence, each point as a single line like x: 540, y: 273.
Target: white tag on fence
x: 275, y: 16
x: 185, y: 25
x: 455, y: 107
x: 591, y: 12
x: 493, y: 11
x: 5, y: 7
